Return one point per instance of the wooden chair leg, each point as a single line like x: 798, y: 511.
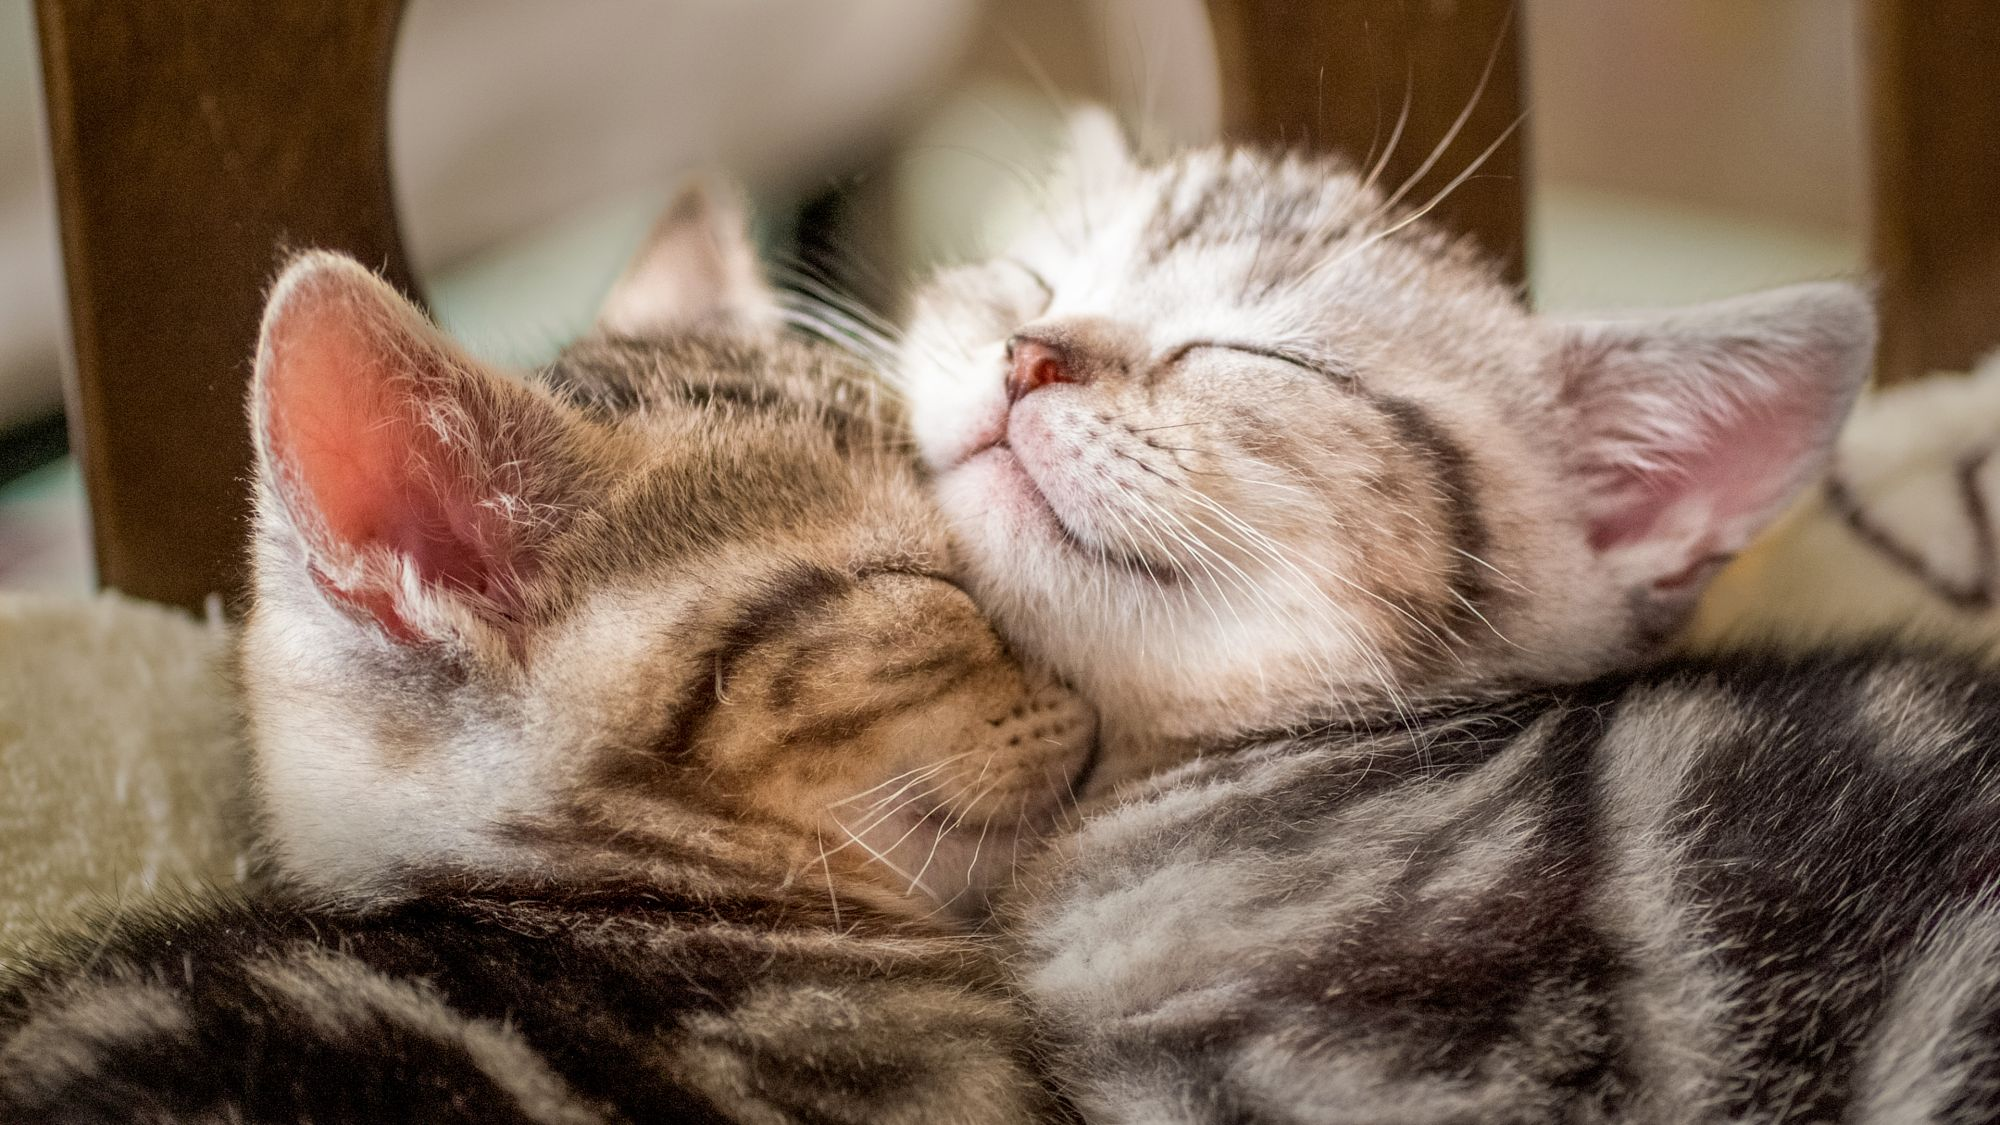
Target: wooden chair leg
x: 1333, y: 74
x: 1935, y: 69
x: 192, y: 143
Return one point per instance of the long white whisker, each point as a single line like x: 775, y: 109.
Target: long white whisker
x: 878, y: 857
x: 1426, y: 209
x: 1464, y: 115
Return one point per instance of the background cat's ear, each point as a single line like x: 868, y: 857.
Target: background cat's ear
x: 698, y: 264
x: 1097, y: 155
x: 1698, y: 427
x: 418, y: 484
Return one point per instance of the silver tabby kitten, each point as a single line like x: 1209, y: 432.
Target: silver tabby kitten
x: 620, y: 738
x: 1294, y: 487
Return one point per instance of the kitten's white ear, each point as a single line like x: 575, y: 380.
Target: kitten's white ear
x: 1697, y: 427
x: 418, y: 485
x: 698, y: 264
x: 1096, y: 153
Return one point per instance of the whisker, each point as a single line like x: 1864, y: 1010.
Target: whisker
x: 1497, y: 572
x: 927, y: 767
x: 876, y: 856
x: 950, y: 826
x: 827, y: 866
x: 1456, y: 182
x: 1396, y: 135
x: 1464, y: 115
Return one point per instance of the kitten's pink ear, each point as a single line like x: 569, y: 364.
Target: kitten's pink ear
x: 1699, y: 426
x: 418, y: 484
x: 698, y: 264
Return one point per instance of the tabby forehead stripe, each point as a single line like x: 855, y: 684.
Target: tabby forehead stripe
x: 1464, y: 525
x: 792, y: 595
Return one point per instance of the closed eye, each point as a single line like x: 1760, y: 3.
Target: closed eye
x: 1339, y: 373
x: 1048, y: 291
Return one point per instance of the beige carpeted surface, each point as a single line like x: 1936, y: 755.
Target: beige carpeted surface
x: 119, y: 759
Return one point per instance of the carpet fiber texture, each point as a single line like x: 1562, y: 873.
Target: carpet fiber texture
x: 120, y: 760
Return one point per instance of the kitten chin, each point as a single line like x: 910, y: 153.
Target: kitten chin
x: 1237, y: 445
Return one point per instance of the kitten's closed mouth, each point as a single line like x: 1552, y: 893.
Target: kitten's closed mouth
x: 999, y: 452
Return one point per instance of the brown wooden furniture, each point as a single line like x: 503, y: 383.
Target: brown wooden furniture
x: 1935, y: 72
x: 192, y: 142
x: 1334, y: 74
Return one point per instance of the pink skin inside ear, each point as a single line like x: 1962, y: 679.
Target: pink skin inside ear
x: 345, y: 402
x: 1736, y: 471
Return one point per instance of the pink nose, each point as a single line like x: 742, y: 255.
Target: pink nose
x: 1036, y: 364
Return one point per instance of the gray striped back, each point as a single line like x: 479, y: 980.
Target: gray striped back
x: 1749, y: 889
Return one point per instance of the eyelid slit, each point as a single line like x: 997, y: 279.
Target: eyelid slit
x: 1048, y: 291
x: 1335, y: 372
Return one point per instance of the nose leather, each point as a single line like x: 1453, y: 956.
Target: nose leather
x: 1034, y: 364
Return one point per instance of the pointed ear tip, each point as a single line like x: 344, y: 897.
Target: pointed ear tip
x: 327, y: 300
x: 320, y: 273
x: 309, y: 268
x: 316, y: 273
x: 699, y: 259
x: 1844, y: 313
x: 1092, y: 125
x: 713, y: 207
x: 692, y: 202
x: 1850, y: 298
x: 707, y: 193
x: 1835, y: 317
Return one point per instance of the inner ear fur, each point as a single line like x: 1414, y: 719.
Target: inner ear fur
x: 1696, y: 428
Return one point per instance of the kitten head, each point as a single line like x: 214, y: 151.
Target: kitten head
x: 681, y: 603
x: 1237, y: 444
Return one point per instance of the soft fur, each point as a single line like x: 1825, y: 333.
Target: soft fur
x: 1746, y: 889
x: 1294, y: 486
x: 622, y: 745
x: 689, y: 595
x: 1309, y: 450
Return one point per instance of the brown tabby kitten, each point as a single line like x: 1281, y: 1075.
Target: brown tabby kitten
x: 619, y: 739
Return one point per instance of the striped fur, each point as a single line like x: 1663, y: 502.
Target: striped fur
x: 625, y: 750
x: 1743, y: 889
x: 1311, y: 499
x: 740, y: 641
x: 492, y: 1002
x: 1309, y: 452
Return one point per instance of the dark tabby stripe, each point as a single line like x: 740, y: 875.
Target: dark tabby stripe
x: 1974, y: 592
x: 515, y: 1004
x: 615, y: 376
x: 1699, y: 895
x: 1462, y: 523
x: 785, y: 599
